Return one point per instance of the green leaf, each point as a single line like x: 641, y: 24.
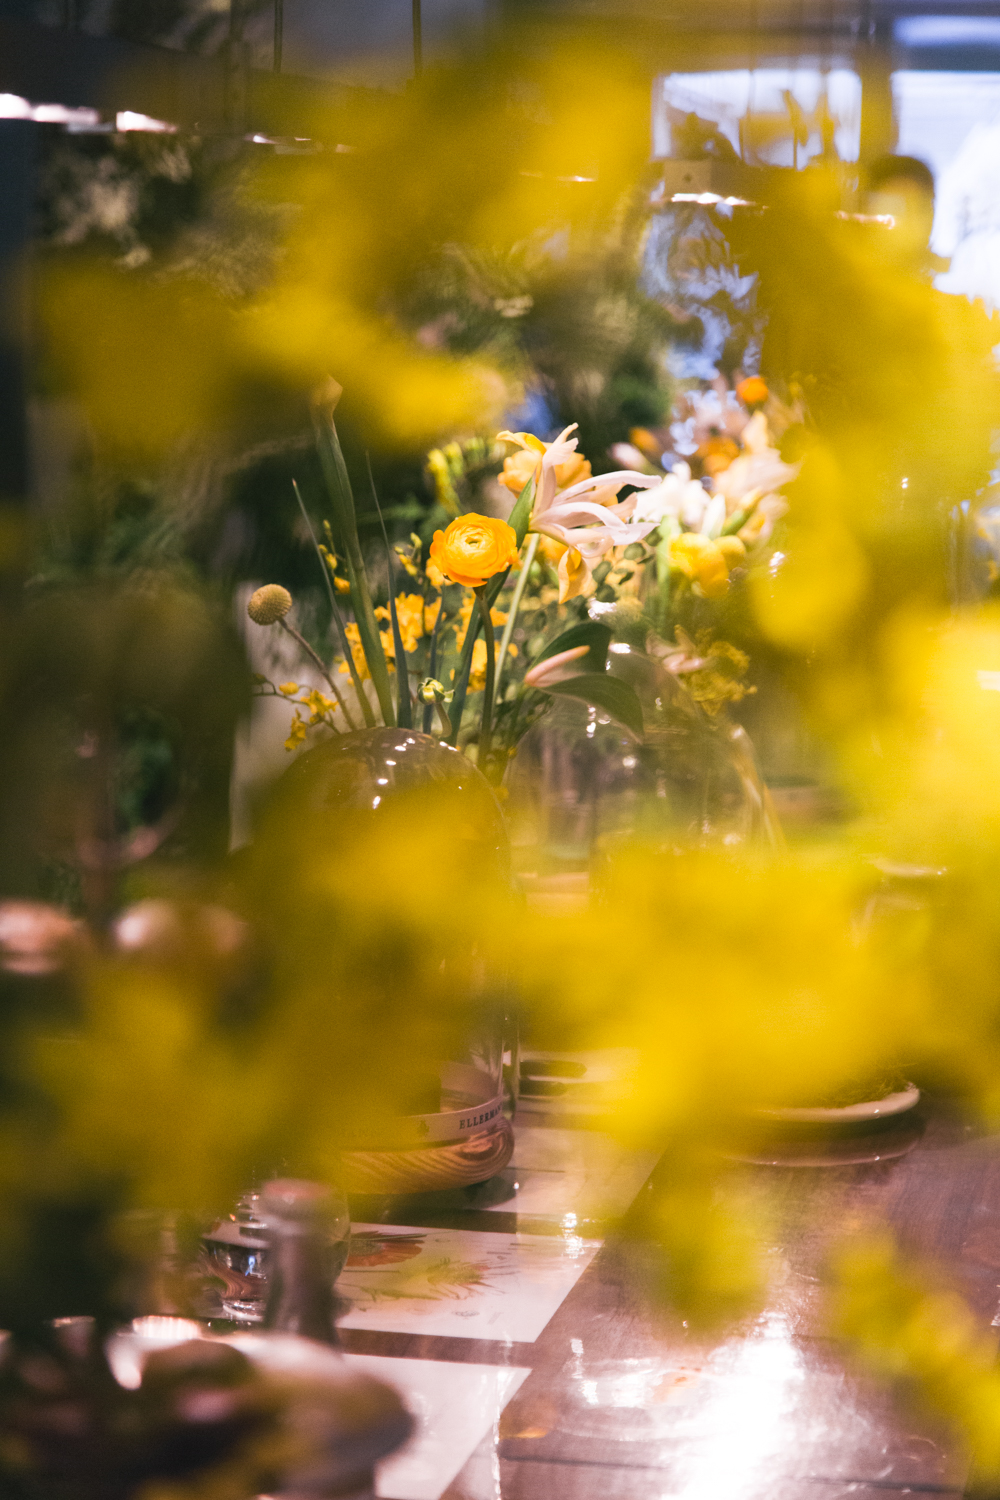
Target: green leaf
x: 589, y: 633
x: 520, y: 516
x: 608, y: 693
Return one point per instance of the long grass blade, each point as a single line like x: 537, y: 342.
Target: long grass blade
x: 339, y: 623
x: 404, y: 705
x: 338, y: 486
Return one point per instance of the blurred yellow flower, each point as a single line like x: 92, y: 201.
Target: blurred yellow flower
x: 477, y: 674
x: 498, y: 616
x: 474, y: 548
x: 296, y: 733
x: 289, y: 689
x: 574, y: 574
x: 416, y: 618
x: 357, y: 650
x: 702, y: 561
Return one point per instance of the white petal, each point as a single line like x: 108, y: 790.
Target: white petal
x: 715, y: 516
x: 618, y: 478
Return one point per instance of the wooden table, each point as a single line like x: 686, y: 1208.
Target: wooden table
x: 624, y: 1401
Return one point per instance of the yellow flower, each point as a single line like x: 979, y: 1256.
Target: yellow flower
x: 498, y: 617
x: 732, y: 549
x: 519, y: 467
x: 701, y: 560
x: 477, y: 674
x: 289, y: 689
x: 574, y: 574
x: 416, y: 619
x: 296, y: 733
x: 342, y: 586
x: 318, y: 704
x: 474, y: 549
x: 357, y: 650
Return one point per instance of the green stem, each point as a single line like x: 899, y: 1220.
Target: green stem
x: 290, y: 630
x: 457, y: 707
x: 515, y: 605
x: 486, y: 732
x: 338, y: 621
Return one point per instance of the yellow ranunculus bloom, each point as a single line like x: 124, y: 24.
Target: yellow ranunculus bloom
x: 474, y: 549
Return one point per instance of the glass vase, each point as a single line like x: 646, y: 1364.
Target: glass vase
x: 581, y: 782
x: 452, y: 1129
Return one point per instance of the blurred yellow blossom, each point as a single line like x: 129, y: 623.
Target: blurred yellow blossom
x: 357, y: 650
x: 289, y: 689
x: 477, y: 675
x: 296, y: 733
x: 416, y: 617
x: 702, y: 561
x: 498, y: 616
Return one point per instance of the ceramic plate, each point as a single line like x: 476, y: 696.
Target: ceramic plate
x: 872, y: 1109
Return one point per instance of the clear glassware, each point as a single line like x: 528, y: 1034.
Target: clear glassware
x: 236, y: 1254
x: 580, y: 781
x: 453, y: 1129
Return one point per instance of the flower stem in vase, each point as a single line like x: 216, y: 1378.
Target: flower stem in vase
x: 486, y: 732
x: 515, y: 605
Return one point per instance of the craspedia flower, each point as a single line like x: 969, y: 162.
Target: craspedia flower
x: 474, y: 548
x: 269, y: 604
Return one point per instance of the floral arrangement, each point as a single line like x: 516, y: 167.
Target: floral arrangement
x: 496, y: 617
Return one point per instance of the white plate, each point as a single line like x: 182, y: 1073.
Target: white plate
x: 872, y: 1109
